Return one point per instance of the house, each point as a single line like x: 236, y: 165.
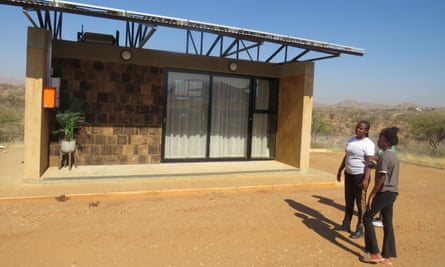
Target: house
x: 143, y: 106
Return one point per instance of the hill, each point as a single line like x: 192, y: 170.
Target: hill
x: 11, y: 81
x: 350, y: 103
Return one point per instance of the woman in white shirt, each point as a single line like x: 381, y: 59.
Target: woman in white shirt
x: 358, y: 152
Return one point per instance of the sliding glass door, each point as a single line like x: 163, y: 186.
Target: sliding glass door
x: 216, y: 117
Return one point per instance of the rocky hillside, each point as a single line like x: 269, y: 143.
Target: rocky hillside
x: 349, y: 103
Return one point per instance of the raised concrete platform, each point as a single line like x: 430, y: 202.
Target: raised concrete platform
x: 152, y: 179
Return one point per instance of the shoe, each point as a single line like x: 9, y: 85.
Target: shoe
x: 357, y: 234
x: 368, y: 259
x: 377, y: 223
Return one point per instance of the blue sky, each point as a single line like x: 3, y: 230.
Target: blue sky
x: 404, y: 40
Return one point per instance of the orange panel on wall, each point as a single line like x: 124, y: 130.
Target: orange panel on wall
x: 49, y: 97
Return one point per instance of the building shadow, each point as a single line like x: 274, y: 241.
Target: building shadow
x: 323, y: 226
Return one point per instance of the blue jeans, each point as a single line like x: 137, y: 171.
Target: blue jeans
x: 383, y: 202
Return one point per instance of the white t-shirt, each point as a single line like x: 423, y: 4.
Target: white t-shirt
x: 356, y: 152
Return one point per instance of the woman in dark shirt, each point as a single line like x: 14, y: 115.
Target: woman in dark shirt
x: 381, y: 199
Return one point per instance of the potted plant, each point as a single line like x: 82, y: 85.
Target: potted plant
x: 69, y: 121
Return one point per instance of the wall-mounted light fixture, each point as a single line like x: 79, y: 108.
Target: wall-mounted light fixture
x: 126, y: 55
x: 233, y: 66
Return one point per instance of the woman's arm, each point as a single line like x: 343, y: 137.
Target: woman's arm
x: 367, y: 176
x: 340, y: 169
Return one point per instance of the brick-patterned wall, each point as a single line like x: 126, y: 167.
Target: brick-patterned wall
x: 124, y: 110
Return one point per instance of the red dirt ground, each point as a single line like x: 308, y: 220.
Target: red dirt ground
x: 249, y: 228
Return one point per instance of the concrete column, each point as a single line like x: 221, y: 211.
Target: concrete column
x: 295, y: 117
x: 36, y: 118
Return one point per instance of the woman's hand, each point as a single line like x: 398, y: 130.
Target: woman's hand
x: 365, y: 184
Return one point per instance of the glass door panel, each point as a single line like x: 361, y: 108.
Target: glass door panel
x: 229, y: 117
x: 264, y: 120
x: 186, y: 116
x: 263, y: 136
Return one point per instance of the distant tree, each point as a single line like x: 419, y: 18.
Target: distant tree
x: 320, y: 127
x: 12, y: 99
x: 8, y: 116
x: 9, y: 121
x: 428, y: 127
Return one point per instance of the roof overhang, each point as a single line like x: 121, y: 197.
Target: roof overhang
x: 232, y: 42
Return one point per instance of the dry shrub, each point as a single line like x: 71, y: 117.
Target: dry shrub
x: 343, y: 121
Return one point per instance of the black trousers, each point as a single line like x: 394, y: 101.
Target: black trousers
x: 383, y: 202
x: 353, y: 194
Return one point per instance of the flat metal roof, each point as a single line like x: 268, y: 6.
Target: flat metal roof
x: 227, y: 42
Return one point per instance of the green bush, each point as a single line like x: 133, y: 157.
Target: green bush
x: 11, y: 128
x: 429, y: 127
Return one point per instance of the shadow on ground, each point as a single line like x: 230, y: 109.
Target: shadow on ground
x: 323, y: 226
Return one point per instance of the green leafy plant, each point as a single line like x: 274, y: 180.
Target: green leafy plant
x: 69, y: 121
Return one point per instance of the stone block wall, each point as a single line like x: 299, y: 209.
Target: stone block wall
x: 124, y: 111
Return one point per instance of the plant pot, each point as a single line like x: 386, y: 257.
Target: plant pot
x: 68, y: 146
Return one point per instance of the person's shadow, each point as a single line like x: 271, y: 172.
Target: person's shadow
x: 321, y: 225
x: 331, y: 203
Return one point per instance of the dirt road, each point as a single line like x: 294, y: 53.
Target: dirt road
x: 251, y: 228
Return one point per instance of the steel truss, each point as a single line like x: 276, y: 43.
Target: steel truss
x: 203, y: 39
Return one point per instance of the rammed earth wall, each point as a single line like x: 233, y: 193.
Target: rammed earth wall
x: 124, y: 111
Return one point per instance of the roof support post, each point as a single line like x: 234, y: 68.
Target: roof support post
x: 295, y: 109
x: 37, y: 133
